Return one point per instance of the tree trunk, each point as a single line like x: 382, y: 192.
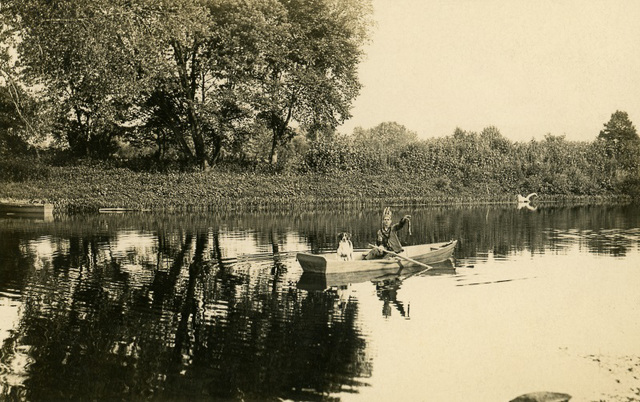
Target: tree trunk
x: 273, y: 157
x: 187, y: 74
x: 182, y: 142
x: 217, y: 147
x: 279, y: 128
x: 198, y: 140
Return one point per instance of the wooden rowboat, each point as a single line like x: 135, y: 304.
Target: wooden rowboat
x: 329, y: 263
x: 314, y: 281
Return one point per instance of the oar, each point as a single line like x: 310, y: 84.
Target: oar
x: 402, y: 257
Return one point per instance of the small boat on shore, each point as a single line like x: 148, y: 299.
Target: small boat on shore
x: 26, y: 209
x: 329, y: 263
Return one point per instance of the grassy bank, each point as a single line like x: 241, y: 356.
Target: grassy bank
x: 87, y: 188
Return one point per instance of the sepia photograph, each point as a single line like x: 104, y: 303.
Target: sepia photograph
x: 320, y: 200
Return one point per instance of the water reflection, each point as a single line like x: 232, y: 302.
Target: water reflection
x: 387, y: 288
x: 142, y: 315
x: 195, y: 307
x: 527, y: 206
x: 386, y: 285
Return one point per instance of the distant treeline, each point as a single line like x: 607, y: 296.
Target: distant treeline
x: 610, y: 164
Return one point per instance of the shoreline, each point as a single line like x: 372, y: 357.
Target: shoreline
x: 70, y: 207
x: 87, y: 189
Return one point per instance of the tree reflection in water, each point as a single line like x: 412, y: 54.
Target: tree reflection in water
x: 181, y: 324
x: 176, y: 318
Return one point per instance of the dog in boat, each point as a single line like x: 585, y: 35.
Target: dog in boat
x: 345, y: 247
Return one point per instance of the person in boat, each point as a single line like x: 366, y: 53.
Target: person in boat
x: 388, y: 236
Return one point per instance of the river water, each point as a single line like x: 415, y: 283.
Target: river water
x: 210, y: 307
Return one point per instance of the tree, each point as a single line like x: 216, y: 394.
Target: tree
x: 24, y: 115
x: 309, y: 75
x: 85, y: 56
x: 10, y: 112
x: 244, y: 36
x: 99, y: 61
x: 179, y: 96
x: 493, y: 138
x: 619, y: 129
x: 621, y: 142
x: 385, y: 138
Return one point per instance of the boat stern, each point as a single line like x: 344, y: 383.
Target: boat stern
x: 312, y: 263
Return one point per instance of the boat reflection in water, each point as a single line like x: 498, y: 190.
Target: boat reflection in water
x: 386, y: 284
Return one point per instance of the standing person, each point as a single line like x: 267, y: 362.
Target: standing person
x: 388, y: 236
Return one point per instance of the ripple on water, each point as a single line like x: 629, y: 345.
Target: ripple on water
x: 217, y: 312
x: 14, y: 358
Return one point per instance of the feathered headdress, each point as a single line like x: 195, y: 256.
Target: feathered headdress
x: 387, y: 212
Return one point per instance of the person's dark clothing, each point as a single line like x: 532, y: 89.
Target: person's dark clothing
x: 388, y: 238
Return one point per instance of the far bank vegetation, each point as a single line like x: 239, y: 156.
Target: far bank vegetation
x: 256, y: 86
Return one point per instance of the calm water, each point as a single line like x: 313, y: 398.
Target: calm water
x: 194, y: 307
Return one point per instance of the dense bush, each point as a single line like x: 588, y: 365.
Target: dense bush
x: 340, y: 153
x: 483, y: 160
x: 631, y: 186
x: 18, y: 169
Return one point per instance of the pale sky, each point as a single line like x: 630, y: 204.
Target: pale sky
x: 528, y: 67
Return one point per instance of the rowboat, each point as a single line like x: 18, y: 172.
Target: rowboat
x: 314, y: 281
x: 329, y: 263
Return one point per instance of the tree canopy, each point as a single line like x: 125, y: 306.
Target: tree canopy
x: 190, y: 74
x: 619, y: 129
x: 621, y: 143
x: 385, y: 137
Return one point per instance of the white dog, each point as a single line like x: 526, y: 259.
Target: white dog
x: 345, y: 247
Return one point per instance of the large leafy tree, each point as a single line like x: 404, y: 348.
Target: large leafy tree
x: 217, y: 50
x: 177, y: 99
x: 241, y: 37
x: 111, y: 63
x: 278, y: 61
x: 17, y: 110
x: 86, y: 54
x: 10, y: 96
x: 310, y: 75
